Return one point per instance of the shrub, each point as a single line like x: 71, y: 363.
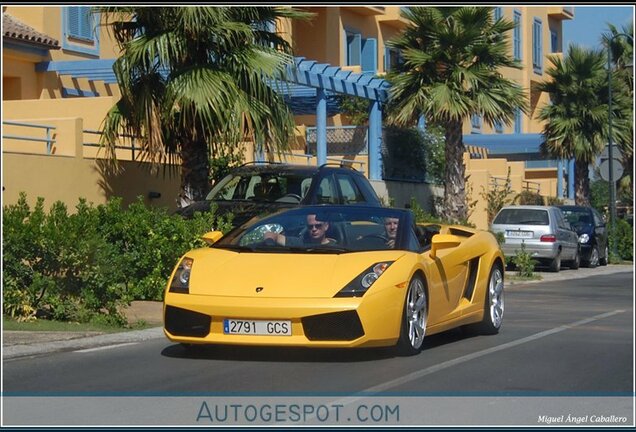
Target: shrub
x: 83, y: 267
x: 623, y: 237
x: 527, y: 197
x: 496, y: 197
x: 524, y: 262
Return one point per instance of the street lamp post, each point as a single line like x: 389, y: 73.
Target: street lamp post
x: 610, y: 147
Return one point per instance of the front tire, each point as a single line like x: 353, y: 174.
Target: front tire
x: 493, y: 303
x: 593, y: 262
x: 414, y: 317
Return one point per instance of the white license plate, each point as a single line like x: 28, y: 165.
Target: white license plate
x: 257, y: 327
x: 519, y: 234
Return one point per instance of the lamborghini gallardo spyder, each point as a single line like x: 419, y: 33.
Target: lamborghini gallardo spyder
x: 335, y: 276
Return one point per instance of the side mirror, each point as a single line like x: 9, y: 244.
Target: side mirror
x: 212, y: 237
x: 443, y: 241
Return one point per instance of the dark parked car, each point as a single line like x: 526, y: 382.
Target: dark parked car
x: 254, y: 188
x: 589, y: 225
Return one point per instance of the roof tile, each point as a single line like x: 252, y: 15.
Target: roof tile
x: 13, y: 29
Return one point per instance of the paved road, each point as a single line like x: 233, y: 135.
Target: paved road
x: 561, y: 338
x: 565, y: 336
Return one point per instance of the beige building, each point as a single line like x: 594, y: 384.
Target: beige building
x: 58, y: 85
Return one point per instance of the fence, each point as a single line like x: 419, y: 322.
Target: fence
x: 49, y: 131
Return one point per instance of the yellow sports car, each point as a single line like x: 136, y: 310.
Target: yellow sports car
x: 335, y: 276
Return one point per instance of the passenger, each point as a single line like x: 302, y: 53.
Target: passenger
x: 391, y: 227
x: 316, y: 234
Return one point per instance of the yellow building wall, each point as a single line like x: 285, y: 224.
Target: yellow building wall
x: 321, y: 40
x: 33, y: 85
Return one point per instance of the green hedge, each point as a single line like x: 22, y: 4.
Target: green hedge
x: 84, y: 266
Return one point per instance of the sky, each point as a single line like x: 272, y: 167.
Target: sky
x: 589, y: 24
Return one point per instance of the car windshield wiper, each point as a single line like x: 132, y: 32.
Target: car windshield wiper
x: 319, y: 249
x: 235, y: 248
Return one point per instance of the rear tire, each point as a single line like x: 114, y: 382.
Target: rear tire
x: 603, y: 261
x: 414, y: 317
x: 555, y: 264
x: 493, y: 303
x: 576, y: 262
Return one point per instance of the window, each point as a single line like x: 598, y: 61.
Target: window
x: 517, y: 120
x: 537, y: 46
x: 498, y: 13
x: 498, y: 126
x: 354, y: 48
x: 475, y: 122
x: 516, y: 37
x: 359, y: 51
x: 81, y: 33
x: 327, y: 192
x: 392, y: 59
x: 554, y: 41
x: 349, y: 190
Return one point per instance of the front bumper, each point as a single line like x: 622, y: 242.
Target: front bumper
x: 368, y: 321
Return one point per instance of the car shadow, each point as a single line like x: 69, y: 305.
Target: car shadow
x: 300, y: 354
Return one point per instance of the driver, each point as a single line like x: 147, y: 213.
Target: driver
x: 316, y: 234
x: 391, y: 228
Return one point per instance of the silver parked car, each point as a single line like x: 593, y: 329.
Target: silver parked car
x: 547, y: 235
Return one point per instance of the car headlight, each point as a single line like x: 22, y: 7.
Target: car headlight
x: 181, y: 280
x: 584, y: 238
x: 358, y: 286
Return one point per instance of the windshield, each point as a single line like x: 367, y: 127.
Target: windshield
x: 578, y: 216
x: 264, y: 187
x: 325, y: 229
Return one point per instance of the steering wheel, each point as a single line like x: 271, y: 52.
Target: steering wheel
x: 293, y: 195
x: 269, y: 242
x: 375, y: 236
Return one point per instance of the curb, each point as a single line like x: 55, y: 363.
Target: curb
x: 15, y: 351
x: 567, y: 274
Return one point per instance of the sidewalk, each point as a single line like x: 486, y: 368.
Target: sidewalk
x: 25, y: 343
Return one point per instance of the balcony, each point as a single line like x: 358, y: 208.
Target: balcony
x: 561, y: 13
x: 368, y: 10
x: 393, y: 18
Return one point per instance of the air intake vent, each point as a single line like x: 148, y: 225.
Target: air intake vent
x: 182, y: 322
x: 473, y: 266
x: 340, y: 326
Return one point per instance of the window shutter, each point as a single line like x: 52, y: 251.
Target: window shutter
x: 369, y: 61
x: 74, y: 21
x: 355, y: 47
x: 86, y: 29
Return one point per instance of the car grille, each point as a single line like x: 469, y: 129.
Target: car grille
x: 182, y: 322
x: 333, y: 326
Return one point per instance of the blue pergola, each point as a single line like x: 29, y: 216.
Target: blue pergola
x: 308, y: 84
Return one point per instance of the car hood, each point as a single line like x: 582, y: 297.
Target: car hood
x: 220, y: 272
x: 584, y: 228
x: 242, y: 210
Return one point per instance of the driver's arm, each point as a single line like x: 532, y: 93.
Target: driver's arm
x: 278, y: 238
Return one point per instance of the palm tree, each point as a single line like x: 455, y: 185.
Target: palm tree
x: 195, y: 80
x: 452, y: 69
x: 576, y: 117
x: 622, y: 50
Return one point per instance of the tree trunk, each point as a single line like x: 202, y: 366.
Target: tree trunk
x: 455, y: 208
x: 195, y: 168
x: 581, y: 183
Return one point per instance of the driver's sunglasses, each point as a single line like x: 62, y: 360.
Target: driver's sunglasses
x: 317, y: 226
